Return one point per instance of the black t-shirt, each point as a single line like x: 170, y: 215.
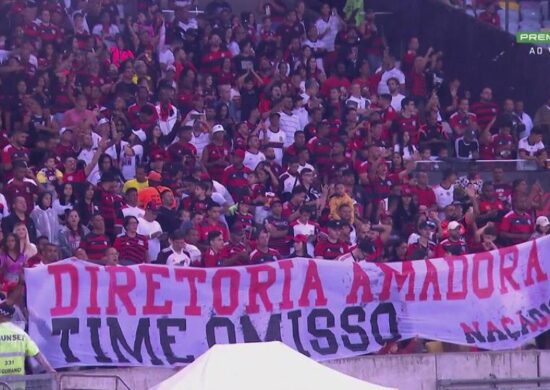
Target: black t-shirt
x: 249, y: 101
x: 463, y: 149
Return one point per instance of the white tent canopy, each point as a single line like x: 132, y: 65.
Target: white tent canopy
x: 253, y: 366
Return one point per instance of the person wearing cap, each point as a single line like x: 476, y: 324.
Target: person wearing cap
x: 153, y: 192
x: 235, y: 177
x: 16, y: 344
x: 149, y: 227
x: 331, y: 247
x: 423, y: 248
x: 215, y: 156
x: 542, y: 227
x: 453, y: 245
x: 263, y: 253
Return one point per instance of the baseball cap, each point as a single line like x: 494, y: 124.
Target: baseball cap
x: 334, y: 224
x: 300, y: 238
x: 543, y: 221
x: 154, y: 175
x: 217, y: 129
x: 140, y: 134
x: 64, y: 129
x: 453, y: 225
x: 103, y: 121
x: 427, y: 225
x: 406, y: 192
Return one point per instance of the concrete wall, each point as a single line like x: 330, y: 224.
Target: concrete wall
x: 406, y: 372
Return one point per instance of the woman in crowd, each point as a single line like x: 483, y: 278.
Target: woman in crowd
x: 12, y: 261
x: 27, y: 247
x: 71, y: 234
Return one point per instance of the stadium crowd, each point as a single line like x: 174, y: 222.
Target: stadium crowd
x: 207, y: 139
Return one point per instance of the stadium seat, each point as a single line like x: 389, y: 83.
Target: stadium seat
x: 529, y: 26
x: 544, y: 9
x: 530, y: 11
x: 513, y: 15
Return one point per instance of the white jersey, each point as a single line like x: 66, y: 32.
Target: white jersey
x: 289, y: 124
x: 443, y: 196
x: 531, y: 150
x: 278, y: 137
x: 146, y: 229
x: 199, y: 142
x: 130, y: 211
x: 251, y: 160
x: 333, y: 23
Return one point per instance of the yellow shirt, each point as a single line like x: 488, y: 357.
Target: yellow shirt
x: 15, y: 345
x: 133, y: 183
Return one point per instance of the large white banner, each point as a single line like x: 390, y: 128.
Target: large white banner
x: 82, y: 314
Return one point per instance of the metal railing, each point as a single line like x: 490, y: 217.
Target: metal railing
x: 68, y: 381
x: 28, y: 382
x: 494, y: 383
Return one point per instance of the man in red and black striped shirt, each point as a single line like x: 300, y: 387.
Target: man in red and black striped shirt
x: 278, y: 227
x: 133, y: 248
x: 110, y: 204
x: 235, y: 177
x: 517, y: 226
x: 485, y: 110
x: 96, y: 242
